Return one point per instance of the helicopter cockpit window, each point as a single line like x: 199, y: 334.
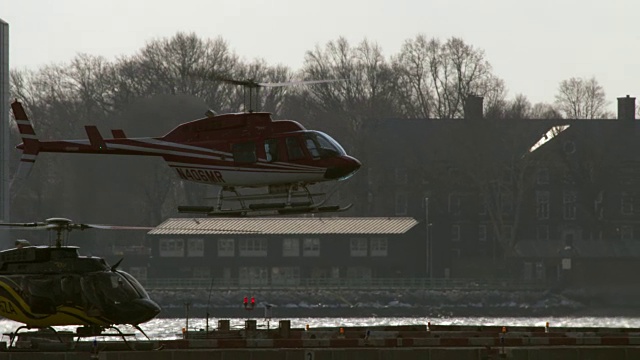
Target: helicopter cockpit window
x: 312, y: 146
x: 294, y: 150
x: 271, y: 149
x: 244, y: 153
x: 136, y: 285
x: 321, y: 145
x: 115, y: 289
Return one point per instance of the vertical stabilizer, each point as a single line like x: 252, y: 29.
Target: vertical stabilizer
x: 30, y: 145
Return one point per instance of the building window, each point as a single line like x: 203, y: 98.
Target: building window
x: 455, y: 232
x: 401, y: 176
x: 542, y: 232
x: 569, y: 205
x: 540, y: 271
x: 284, y: 275
x: 527, y: 271
x: 401, y: 204
x: 542, y: 176
x: 253, y: 275
x: 201, y: 272
x: 626, y: 204
x: 252, y: 247
x: 358, y: 272
x: 171, y: 247
x: 482, y: 233
x: 319, y: 273
x: 506, y: 202
x: 507, y: 231
x: 195, y: 247
x: 483, y: 205
x: 359, y: 247
x: 456, y: 253
x: 597, y: 205
x: 244, y: 153
x: 311, y: 247
x: 226, y: 273
x: 542, y: 205
x: 568, y: 177
x: 626, y: 232
x: 290, y: 247
x: 569, y: 235
x: 226, y: 248
x: 454, y: 203
x: 379, y: 247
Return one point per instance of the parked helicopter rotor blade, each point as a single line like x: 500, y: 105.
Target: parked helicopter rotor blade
x: 71, y: 226
x: 31, y: 225
x: 115, y: 227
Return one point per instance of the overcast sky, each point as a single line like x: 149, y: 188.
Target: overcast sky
x: 532, y: 45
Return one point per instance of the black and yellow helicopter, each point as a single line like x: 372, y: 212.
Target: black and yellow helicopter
x: 47, y: 286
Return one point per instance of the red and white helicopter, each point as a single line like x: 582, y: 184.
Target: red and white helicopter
x: 233, y: 151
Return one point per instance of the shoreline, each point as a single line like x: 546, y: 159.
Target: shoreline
x: 398, y: 303
x: 259, y: 312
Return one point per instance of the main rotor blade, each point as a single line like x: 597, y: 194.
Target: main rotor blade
x: 254, y: 84
x: 247, y: 82
x: 301, y: 82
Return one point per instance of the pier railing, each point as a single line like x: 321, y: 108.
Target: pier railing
x: 343, y: 283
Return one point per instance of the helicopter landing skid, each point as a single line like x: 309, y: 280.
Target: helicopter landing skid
x: 281, y: 203
x: 48, y: 331
x: 262, y: 210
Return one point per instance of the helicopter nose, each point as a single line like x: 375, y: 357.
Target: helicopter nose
x: 144, y: 310
x: 345, y: 169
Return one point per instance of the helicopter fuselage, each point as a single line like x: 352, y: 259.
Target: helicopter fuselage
x: 243, y: 149
x: 43, y: 286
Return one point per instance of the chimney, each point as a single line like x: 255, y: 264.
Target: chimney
x: 473, y: 107
x: 626, y: 108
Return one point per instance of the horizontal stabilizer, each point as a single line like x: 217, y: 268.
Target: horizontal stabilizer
x: 118, y: 134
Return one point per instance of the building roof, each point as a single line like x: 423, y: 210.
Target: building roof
x: 276, y: 226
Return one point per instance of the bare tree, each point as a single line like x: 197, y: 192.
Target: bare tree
x: 269, y: 99
x: 518, y: 108
x: 365, y: 92
x: 434, y: 78
x: 412, y: 69
x: 183, y: 64
x: 545, y: 111
x: 581, y: 98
